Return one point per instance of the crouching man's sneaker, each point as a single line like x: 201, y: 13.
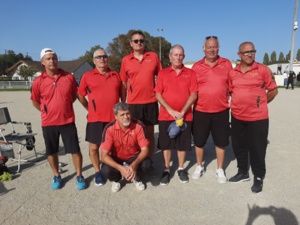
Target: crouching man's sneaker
x: 80, y: 182
x: 56, y: 184
x: 139, y: 185
x: 239, y: 177
x: 257, y: 185
x: 115, y: 186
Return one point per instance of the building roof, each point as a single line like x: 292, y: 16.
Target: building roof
x: 69, y: 66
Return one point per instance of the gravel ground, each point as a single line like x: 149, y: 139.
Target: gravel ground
x: 28, y: 198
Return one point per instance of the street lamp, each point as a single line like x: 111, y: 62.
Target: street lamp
x: 295, y: 27
x: 159, y: 31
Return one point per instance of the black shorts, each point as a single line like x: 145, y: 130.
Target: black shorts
x: 94, y: 132
x: 215, y: 123
x: 182, y: 142
x: 147, y: 113
x: 69, y: 137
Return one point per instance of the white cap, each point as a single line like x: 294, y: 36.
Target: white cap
x: 46, y: 51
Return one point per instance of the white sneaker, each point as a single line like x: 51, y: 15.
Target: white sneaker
x: 198, y: 172
x: 221, y: 176
x: 139, y: 185
x: 115, y: 186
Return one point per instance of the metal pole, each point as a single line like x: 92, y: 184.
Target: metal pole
x: 160, y: 30
x: 295, y: 26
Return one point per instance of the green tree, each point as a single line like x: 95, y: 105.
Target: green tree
x: 120, y: 47
x: 298, y: 55
x: 88, y: 56
x: 288, y: 56
x: 27, y: 71
x: 273, y: 57
x: 10, y: 58
x: 281, y: 57
x: 266, y: 59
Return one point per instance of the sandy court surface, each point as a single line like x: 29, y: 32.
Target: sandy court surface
x: 28, y: 198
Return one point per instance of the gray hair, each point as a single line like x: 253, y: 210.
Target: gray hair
x: 176, y: 46
x: 217, y: 39
x: 99, y: 49
x: 121, y: 106
x: 245, y: 42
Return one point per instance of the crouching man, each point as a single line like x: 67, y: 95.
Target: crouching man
x: 124, y: 149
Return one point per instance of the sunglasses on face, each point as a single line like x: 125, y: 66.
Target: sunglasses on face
x: 252, y: 52
x: 101, y: 56
x: 209, y: 37
x: 136, y: 41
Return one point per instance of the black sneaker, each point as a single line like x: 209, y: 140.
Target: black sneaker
x: 183, y: 176
x: 165, y: 178
x: 239, y: 177
x: 257, y: 185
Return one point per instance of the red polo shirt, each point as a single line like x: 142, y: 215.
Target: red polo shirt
x: 56, y: 96
x: 103, y: 93
x: 124, y: 144
x: 213, y: 94
x: 248, y: 92
x: 140, y: 77
x: 175, y: 89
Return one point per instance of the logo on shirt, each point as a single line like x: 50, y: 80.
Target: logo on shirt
x: 185, y: 75
x: 253, y: 74
x: 148, y: 60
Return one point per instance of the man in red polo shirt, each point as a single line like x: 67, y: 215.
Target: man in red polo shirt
x: 252, y: 87
x: 176, y: 91
x: 102, y: 86
x: 138, y: 71
x: 53, y: 93
x: 211, y: 111
x: 124, y: 149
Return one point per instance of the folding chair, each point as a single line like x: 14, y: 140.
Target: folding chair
x: 8, y: 138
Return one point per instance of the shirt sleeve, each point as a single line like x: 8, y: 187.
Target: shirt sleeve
x: 82, y: 86
x: 159, y: 83
x: 141, y: 138
x: 107, y: 141
x: 35, y: 91
x: 123, y: 74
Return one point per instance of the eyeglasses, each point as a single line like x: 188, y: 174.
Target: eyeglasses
x: 209, y: 37
x: 101, y: 56
x: 252, y: 52
x: 138, y: 40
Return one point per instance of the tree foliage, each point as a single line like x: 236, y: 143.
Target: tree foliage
x: 266, y: 59
x: 88, y: 56
x: 27, y: 71
x: 120, y: 47
x: 281, y: 57
x: 9, y: 59
x: 298, y: 55
x: 288, y: 56
x: 273, y: 57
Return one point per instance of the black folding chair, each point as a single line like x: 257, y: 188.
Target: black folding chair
x: 8, y: 138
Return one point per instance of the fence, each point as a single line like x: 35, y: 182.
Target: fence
x: 15, y: 84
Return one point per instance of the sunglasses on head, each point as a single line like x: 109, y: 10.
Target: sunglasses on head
x: 101, y: 56
x: 138, y: 40
x: 209, y: 37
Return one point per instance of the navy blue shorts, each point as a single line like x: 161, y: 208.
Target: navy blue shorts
x: 94, y: 132
x: 68, y: 133
x: 215, y: 123
x: 147, y: 113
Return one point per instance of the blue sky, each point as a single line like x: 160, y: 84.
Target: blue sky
x: 73, y: 27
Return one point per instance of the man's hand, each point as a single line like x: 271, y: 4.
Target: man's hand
x: 128, y: 172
